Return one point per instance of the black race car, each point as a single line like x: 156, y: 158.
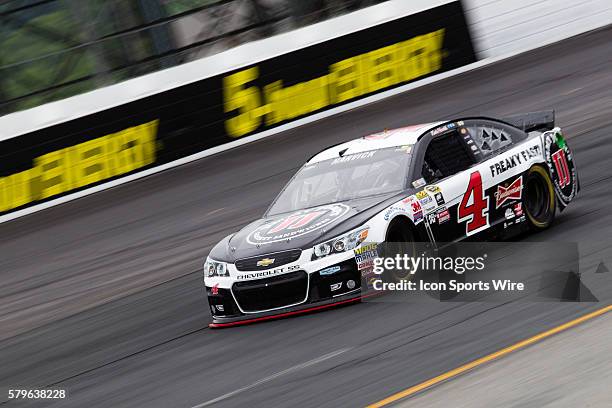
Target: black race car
x: 435, y: 182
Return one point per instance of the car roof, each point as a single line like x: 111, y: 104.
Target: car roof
x: 388, y: 138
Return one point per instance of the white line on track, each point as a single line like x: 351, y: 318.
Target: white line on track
x: 214, y: 211
x: 274, y: 376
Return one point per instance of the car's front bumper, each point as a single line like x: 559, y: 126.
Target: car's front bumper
x: 221, y: 322
x: 285, y: 295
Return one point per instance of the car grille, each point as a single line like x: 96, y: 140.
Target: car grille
x: 271, y: 293
x: 280, y: 258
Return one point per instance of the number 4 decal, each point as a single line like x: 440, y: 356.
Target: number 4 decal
x: 474, y: 206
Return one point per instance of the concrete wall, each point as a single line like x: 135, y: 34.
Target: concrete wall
x: 501, y: 27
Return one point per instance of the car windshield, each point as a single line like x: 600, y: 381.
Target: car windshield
x: 344, y: 178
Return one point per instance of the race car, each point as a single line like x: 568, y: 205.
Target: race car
x: 441, y: 182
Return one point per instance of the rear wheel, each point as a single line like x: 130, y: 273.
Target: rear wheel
x: 539, y: 198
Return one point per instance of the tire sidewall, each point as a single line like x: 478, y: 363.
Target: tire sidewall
x: 543, y: 223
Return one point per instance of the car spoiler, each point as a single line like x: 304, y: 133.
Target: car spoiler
x: 528, y: 122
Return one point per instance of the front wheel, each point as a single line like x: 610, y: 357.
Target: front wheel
x: 400, y: 239
x: 539, y: 198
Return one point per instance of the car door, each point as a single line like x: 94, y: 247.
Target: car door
x: 503, y: 159
x: 453, y: 199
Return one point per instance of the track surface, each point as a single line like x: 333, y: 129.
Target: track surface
x: 103, y: 296
x: 579, y: 379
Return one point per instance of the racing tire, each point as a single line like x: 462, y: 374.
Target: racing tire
x: 399, y: 239
x: 539, y: 199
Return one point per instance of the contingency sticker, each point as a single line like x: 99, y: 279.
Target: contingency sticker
x: 364, y: 256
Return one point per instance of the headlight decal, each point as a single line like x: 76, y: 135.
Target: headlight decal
x: 214, y: 268
x: 342, y: 243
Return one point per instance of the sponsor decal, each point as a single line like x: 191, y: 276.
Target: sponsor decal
x: 365, y: 265
x: 432, y: 218
x: 296, y: 224
x: 329, y: 271
x: 425, y: 197
x: 265, y: 262
x: 215, y: 289
x: 439, y: 130
x: 444, y: 128
x: 267, y: 274
x: 421, y: 195
x: 335, y: 286
x: 350, y: 284
x: 518, y: 209
x: 509, y: 214
x: 514, y: 160
x: 443, y: 216
x: 427, y: 203
x: 392, y: 210
x: 439, y: 199
x: 364, y: 256
x: 365, y: 248
x: 511, y: 192
x: 368, y: 273
x: 560, y: 162
x: 561, y: 165
x: 351, y: 157
x: 417, y: 217
x: 415, y: 207
x: 516, y: 221
x: 419, y: 183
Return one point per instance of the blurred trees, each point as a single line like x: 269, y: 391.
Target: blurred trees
x: 53, y: 49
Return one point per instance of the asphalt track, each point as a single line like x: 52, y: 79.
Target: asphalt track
x: 578, y: 379
x: 103, y: 296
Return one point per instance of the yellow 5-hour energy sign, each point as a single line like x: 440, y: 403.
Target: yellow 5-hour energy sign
x: 80, y: 165
x: 347, y: 79
x: 187, y: 120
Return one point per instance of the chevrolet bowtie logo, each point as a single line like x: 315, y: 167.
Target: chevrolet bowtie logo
x: 265, y: 262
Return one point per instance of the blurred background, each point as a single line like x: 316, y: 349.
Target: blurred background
x: 103, y: 295
x: 53, y: 49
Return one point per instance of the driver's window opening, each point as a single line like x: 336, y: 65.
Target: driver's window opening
x: 446, y: 155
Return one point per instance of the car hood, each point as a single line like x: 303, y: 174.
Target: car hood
x: 300, y: 229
